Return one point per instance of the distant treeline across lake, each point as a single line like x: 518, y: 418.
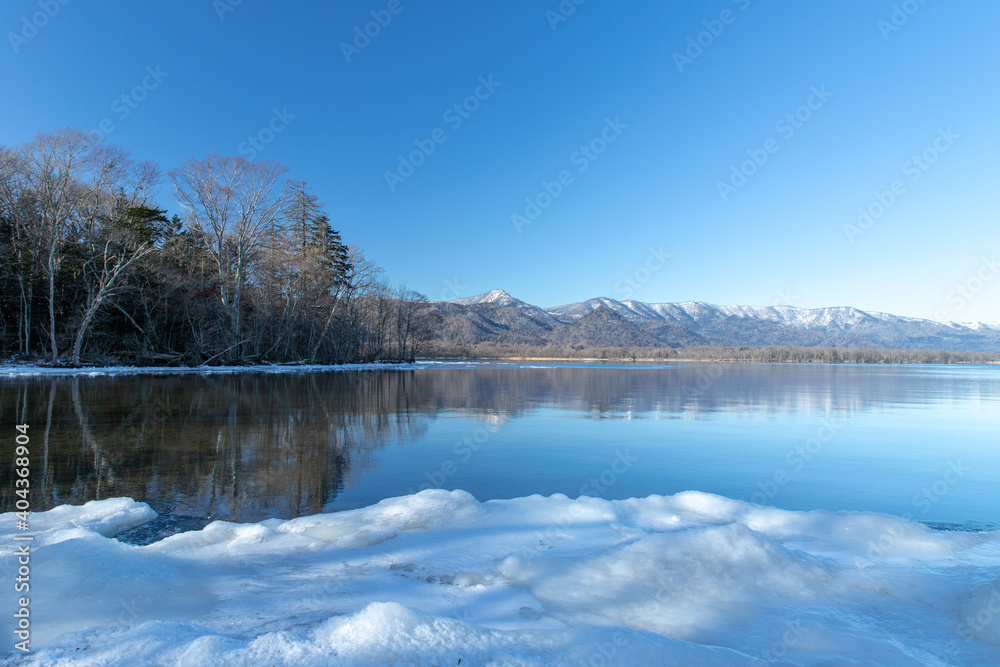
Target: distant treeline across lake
x: 767, y: 354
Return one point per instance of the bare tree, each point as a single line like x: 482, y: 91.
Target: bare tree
x: 57, y: 169
x: 65, y: 184
x: 111, y: 233
x: 410, y: 321
x: 366, y: 300
x: 19, y: 214
x: 235, y: 204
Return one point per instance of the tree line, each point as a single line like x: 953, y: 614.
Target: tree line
x: 766, y: 354
x: 250, y: 270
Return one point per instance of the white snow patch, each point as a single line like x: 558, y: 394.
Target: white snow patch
x: 94, y: 371
x: 688, y: 579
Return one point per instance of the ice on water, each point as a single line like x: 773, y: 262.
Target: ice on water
x: 689, y: 579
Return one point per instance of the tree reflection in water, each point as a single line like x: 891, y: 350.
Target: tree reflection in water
x: 245, y: 447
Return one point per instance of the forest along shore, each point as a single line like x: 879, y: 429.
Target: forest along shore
x: 251, y: 270
x: 769, y: 354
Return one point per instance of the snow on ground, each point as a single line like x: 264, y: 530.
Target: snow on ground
x: 23, y: 370
x: 435, y: 577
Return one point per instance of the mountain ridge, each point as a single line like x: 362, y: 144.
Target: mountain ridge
x: 498, y: 317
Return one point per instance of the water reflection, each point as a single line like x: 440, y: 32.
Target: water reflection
x: 248, y: 447
x: 701, y: 389
x: 240, y: 447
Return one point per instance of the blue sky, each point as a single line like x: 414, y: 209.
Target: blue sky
x: 640, y: 137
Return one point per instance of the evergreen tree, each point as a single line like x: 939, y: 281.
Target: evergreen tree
x: 331, y: 253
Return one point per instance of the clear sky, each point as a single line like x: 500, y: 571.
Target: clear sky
x: 622, y: 122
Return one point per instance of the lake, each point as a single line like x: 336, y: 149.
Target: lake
x: 914, y: 441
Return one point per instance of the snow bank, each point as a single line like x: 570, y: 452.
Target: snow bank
x: 27, y: 370
x: 24, y: 370
x: 431, y: 578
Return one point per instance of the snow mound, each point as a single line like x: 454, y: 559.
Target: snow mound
x: 434, y: 577
x: 104, y: 517
x: 384, y: 634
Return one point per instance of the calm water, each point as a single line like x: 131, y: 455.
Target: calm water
x: 920, y: 441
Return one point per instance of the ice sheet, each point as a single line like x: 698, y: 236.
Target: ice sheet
x: 689, y: 579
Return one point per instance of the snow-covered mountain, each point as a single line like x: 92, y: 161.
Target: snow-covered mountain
x: 497, y: 296
x: 500, y: 318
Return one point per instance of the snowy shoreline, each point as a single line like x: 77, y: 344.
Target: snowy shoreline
x: 27, y: 370
x: 437, y: 576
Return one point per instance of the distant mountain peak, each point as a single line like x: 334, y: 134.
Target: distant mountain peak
x: 496, y: 296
